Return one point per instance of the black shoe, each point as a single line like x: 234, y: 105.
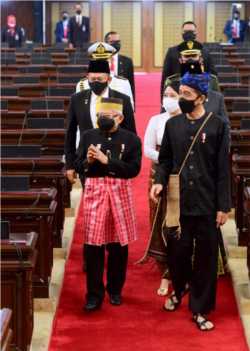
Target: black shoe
x: 92, y: 306
x: 84, y: 267
x: 115, y: 300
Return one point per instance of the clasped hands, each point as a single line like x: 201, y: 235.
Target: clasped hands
x: 94, y: 153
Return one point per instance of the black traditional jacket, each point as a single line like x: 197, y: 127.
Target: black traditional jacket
x: 205, y: 179
x: 123, y: 149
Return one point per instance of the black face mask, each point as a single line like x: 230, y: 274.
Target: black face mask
x: 78, y: 12
x: 116, y: 45
x: 187, y: 106
x: 105, y: 123
x: 190, y: 66
x: 236, y: 18
x: 98, y: 87
x: 189, y: 35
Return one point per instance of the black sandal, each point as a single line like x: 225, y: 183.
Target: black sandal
x: 173, y: 303
x: 201, y: 324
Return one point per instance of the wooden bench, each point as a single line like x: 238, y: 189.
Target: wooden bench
x: 52, y: 141
x: 17, y: 287
x: 14, y: 119
x: 45, y: 172
x: 241, y: 172
x: 6, y: 332
x: 22, y: 103
x: 247, y: 211
x: 40, y: 219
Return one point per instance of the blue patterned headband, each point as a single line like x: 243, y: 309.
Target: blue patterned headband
x: 197, y: 82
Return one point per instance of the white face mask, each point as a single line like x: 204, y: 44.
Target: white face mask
x: 171, y: 105
x: 11, y: 25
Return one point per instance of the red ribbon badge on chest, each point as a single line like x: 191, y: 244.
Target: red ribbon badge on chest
x: 122, y: 147
x: 203, y: 137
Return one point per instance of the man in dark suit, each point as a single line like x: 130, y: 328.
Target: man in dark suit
x: 235, y: 29
x: 79, y: 28
x: 84, y: 106
x: 171, y: 64
x: 62, y: 29
x: 12, y: 33
x: 121, y: 65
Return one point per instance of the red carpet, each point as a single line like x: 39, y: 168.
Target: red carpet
x: 140, y: 323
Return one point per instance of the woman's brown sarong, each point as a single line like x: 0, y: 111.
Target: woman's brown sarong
x: 156, y: 251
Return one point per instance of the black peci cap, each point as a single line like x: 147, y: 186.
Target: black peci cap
x: 98, y: 66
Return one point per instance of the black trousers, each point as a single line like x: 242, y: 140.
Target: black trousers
x: 84, y: 251
x: 203, y: 229
x: 116, y: 270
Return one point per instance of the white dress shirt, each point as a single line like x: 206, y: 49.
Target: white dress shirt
x: 119, y: 84
x: 116, y: 64
x: 238, y: 28
x: 77, y: 19
x: 154, y: 134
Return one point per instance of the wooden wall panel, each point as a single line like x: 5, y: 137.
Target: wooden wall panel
x: 168, y: 20
x: 24, y: 12
x: 122, y: 22
x: 125, y: 18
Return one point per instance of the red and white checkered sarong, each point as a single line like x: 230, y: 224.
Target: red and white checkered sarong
x: 109, y: 212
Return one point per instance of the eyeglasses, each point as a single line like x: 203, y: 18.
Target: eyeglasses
x: 109, y: 116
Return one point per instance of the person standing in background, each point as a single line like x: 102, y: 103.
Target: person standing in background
x: 171, y: 63
x: 235, y: 29
x: 62, y: 29
x: 105, y: 51
x: 12, y: 33
x: 121, y: 65
x: 79, y: 28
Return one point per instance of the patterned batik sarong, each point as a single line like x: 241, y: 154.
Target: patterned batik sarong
x: 109, y: 212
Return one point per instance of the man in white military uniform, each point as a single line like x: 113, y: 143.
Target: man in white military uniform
x: 105, y: 51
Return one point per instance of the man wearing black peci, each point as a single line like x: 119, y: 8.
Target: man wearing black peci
x: 121, y: 65
x: 171, y: 63
x: 84, y: 106
x: 79, y: 28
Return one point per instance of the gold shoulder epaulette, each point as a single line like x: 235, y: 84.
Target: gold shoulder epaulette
x: 174, y: 75
x: 121, y: 77
x: 213, y: 75
x: 82, y: 84
x: 168, y: 79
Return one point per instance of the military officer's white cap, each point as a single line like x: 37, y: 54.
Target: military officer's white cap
x: 101, y: 50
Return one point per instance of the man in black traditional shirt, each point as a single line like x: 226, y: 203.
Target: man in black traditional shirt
x: 109, y: 156
x: 204, y: 196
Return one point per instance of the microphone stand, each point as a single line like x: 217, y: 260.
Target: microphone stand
x: 25, y: 117
x: 6, y: 72
x: 48, y: 85
x: 47, y: 105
